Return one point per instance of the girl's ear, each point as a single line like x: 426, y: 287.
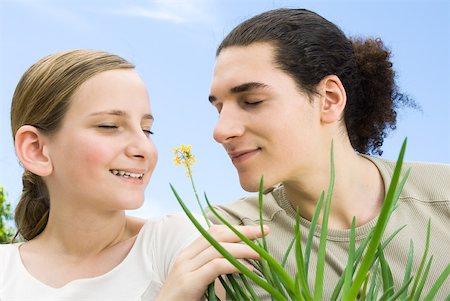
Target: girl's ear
x: 334, y: 99
x: 32, y: 151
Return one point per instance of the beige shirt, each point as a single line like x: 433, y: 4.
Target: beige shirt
x: 426, y: 195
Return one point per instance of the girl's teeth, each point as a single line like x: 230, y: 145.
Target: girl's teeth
x: 126, y: 174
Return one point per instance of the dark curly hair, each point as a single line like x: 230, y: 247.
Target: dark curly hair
x: 308, y: 47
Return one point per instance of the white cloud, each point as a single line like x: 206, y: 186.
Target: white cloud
x: 175, y: 11
x: 71, y: 13
x: 152, y: 14
x: 59, y: 12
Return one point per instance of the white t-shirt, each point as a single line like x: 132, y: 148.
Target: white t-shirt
x: 138, y: 277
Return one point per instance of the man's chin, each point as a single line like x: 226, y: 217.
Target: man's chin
x: 252, y: 185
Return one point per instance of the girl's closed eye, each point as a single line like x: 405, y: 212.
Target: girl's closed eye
x: 107, y: 126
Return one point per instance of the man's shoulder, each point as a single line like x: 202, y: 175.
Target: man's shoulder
x: 427, y: 167
x: 427, y: 181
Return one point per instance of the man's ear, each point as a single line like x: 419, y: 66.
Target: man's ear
x: 32, y: 151
x: 334, y: 99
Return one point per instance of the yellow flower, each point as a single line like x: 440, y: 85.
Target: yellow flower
x: 183, y: 156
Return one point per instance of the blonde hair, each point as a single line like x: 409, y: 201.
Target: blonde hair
x: 41, y: 99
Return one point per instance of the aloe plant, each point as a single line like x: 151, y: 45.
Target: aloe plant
x: 365, y: 277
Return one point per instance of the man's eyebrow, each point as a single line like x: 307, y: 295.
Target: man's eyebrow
x: 247, y: 87
x: 241, y: 88
x: 148, y: 117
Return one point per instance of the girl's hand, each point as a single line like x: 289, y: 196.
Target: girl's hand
x: 200, y: 263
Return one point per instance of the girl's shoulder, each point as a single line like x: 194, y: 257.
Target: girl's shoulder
x: 163, y: 238
x: 7, y: 252
x: 174, y: 225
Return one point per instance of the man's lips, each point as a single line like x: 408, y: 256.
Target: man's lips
x: 237, y: 156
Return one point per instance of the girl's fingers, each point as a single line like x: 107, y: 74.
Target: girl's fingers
x: 192, y: 285
x: 200, y: 263
x: 218, y: 266
x: 237, y: 250
x: 221, y: 233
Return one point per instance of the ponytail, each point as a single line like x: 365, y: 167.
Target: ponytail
x: 31, y: 214
x: 371, y: 114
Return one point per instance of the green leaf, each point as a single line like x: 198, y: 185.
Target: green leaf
x: 230, y: 292
x: 260, y: 203
x: 358, y: 256
x: 288, y: 251
x: 196, y: 196
x: 437, y: 285
x: 270, y: 289
x: 371, y: 295
x: 389, y: 292
x: 249, y: 288
x: 422, y: 263
x: 364, y: 289
x: 284, y: 276
x: 212, y: 292
x: 312, y: 229
x: 318, y: 285
x: 386, y: 274
x: 350, y: 262
x: 240, y: 293
x: 271, y: 275
x: 409, y: 262
x: 401, y: 290
x: 379, y: 227
x: 422, y: 281
x: 301, y: 276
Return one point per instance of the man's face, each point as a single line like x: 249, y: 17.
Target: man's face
x: 266, y: 124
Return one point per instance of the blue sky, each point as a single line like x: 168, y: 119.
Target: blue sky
x: 173, y: 44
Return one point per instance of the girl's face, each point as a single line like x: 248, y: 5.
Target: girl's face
x: 266, y: 124
x: 103, y: 155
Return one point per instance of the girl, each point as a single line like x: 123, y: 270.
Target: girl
x: 286, y: 84
x: 82, y: 125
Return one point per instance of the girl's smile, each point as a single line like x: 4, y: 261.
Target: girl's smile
x: 109, y: 134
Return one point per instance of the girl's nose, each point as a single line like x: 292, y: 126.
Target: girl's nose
x: 140, y: 145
